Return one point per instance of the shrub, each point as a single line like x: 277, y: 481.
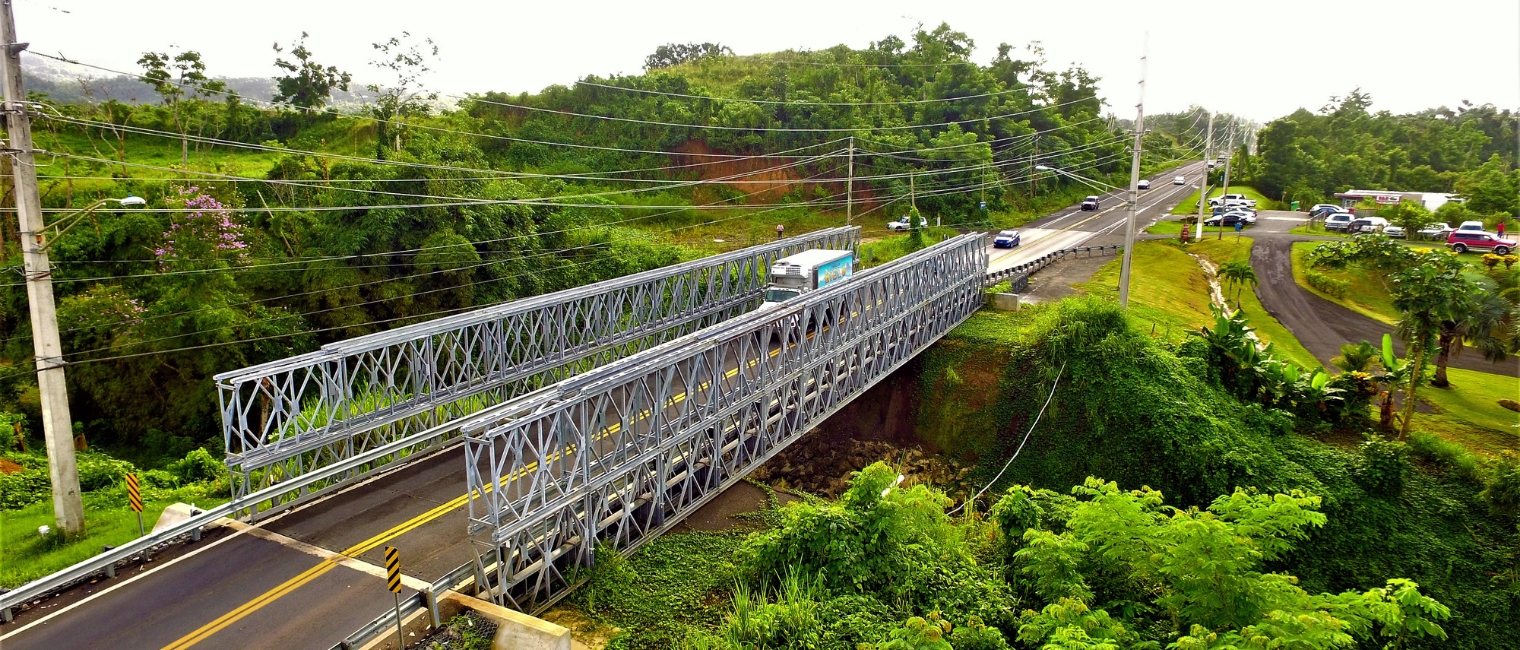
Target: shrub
x: 198, y: 465
x: 1382, y: 466
x: 1501, y: 490
x: 1327, y: 284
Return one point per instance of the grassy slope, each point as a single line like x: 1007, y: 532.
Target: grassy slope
x: 25, y: 556
x: 1170, y: 292
x: 1468, y: 412
x: 1366, y: 292
x: 1189, y: 205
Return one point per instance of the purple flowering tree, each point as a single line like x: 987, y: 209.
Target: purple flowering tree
x: 209, y: 230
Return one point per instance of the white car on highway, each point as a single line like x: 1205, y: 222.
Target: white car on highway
x: 1144, y: 184
x: 902, y: 224
x: 1180, y: 180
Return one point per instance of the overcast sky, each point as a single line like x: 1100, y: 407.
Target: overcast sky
x: 1258, y: 59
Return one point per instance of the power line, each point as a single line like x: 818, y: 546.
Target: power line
x: 810, y: 103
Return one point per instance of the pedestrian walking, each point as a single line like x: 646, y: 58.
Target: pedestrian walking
x: 1501, y: 229
x: 780, y: 231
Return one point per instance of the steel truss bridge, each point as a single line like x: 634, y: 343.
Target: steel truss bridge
x: 618, y: 454
x: 286, y: 420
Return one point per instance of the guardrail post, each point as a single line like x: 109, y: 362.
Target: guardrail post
x: 5, y: 615
x: 432, y: 604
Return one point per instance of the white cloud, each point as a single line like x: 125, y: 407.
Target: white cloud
x: 1257, y: 59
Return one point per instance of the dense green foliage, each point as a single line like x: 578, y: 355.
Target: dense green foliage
x: 1307, y: 156
x: 411, y: 209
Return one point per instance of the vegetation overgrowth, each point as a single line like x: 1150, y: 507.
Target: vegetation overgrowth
x: 1222, y: 522
x: 273, y: 228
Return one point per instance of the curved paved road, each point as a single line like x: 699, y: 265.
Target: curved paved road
x: 1323, y: 326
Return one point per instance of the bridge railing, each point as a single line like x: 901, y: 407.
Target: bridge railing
x: 1018, y: 275
x: 621, y: 453
x: 284, y: 419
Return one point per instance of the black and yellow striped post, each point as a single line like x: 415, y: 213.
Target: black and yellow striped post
x: 134, y: 499
x: 393, y: 582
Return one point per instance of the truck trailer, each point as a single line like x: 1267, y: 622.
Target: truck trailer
x: 810, y: 270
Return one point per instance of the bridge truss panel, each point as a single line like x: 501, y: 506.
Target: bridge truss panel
x: 621, y: 453
x: 285, y: 419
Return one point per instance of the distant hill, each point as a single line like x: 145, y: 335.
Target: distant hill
x: 68, y: 83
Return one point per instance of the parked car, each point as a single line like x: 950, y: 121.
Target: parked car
x: 1462, y: 241
x: 1338, y: 220
x: 1090, y: 203
x: 1144, y: 184
x: 1435, y: 231
x: 1320, y: 210
x: 902, y: 224
x: 1367, y: 224
x: 1471, y: 225
x: 1396, y: 232
x: 1180, y: 180
x: 1006, y: 239
x: 1232, y: 199
x: 1229, y: 219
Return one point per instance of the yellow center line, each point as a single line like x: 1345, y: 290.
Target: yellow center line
x: 409, y: 525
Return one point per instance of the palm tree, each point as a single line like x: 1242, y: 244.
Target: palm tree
x: 1478, y: 322
x: 1356, y: 357
x: 1238, y: 274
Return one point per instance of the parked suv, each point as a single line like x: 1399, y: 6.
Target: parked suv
x: 1090, y: 203
x: 1367, y: 224
x: 1462, y: 241
x: 1338, y: 220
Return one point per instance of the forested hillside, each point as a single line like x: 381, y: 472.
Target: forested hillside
x: 1308, y: 156
x: 271, y: 228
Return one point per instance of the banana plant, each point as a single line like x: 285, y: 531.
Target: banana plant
x: 1395, y: 373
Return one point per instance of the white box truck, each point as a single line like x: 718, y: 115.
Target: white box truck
x: 794, y: 275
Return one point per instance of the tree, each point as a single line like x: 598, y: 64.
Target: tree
x: 407, y: 62
x: 1489, y: 188
x: 1238, y: 274
x: 175, y: 78
x: 309, y: 85
x: 673, y: 54
x: 1477, y: 320
x: 1205, y: 570
x: 1429, y: 293
x: 1409, y: 215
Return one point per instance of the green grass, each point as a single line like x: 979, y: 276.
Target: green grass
x: 1169, y: 293
x: 1468, y: 412
x: 26, y: 556
x: 1166, y: 227
x: 1189, y: 205
x: 1366, y: 291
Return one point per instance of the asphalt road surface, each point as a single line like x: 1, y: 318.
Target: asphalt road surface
x: 1072, y: 226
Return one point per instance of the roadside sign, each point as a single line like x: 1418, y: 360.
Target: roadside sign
x: 393, y: 582
x: 134, y: 499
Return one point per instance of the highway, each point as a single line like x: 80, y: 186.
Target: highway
x: 1074, y: 227
x: 308, y: 578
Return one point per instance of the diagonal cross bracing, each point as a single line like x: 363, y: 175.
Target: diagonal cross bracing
x: 620, y: 453
x: 286, y: 418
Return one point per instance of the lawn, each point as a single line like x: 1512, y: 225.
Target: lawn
x: 1366, y: 291
x: 1189, y: 205
x: 1169, y: 294
x: 26, y: 556
x: 1468, y: 412
x: 1165, y: 227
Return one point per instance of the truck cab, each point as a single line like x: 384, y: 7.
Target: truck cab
x: 810, y: 270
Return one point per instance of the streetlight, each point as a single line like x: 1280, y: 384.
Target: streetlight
x: 78, y: 216
x: 57, y: 429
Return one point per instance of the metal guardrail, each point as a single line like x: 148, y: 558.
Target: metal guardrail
x: 284, y: 418
x: 456, y: 580
x: 1019, y: 274
x: 277, y: 497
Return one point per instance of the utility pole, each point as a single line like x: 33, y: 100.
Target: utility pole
x: 1203, y: 188
x: 849, y: 187
x: 1229, y: 154
x: 1134, y: 181
x: 57, y: 425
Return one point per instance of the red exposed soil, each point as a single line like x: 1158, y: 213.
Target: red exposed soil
x: 8, y: 467
x: 763, y: 184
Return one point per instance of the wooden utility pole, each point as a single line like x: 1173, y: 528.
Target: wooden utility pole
x: 57, y: 425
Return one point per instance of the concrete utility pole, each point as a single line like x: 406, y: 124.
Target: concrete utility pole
x: 849, y: 187
x: 1134, y: 182
x: 1229, y: 154
x: 57, y: 425
x: 1203, y: 188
